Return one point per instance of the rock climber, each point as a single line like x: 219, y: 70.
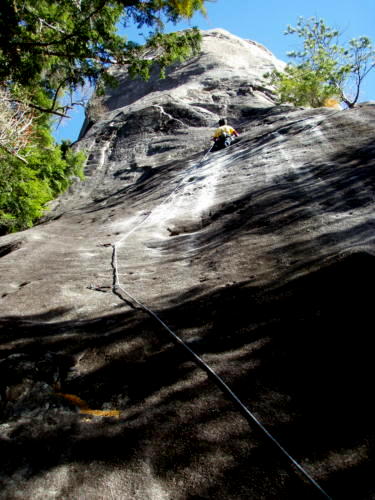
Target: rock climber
x: 223, y: 136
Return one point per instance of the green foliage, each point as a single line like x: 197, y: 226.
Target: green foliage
x: 46, y: 170
x: 26, y: 188
x: 324, y: 68
x: 58, y: 46
x: 301, y: 86
x: 22, y: 198
x: 173, y: 47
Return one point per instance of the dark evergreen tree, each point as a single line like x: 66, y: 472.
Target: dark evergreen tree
x: 49, y: 48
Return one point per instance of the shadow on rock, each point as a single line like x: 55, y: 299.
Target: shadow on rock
x: 299, y: 355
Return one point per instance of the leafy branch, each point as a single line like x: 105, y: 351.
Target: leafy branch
x: 325, y: 68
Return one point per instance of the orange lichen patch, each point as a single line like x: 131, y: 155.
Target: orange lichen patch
x: 74, y: 399
x: 101, y: 413
x: 84, y: 407
x: 330, y: 102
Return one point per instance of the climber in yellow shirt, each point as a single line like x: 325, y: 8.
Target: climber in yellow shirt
x: 223, y: 136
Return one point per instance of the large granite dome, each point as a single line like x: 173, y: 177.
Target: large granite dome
x: 260, y: 257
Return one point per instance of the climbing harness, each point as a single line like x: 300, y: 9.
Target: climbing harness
x: 121, y: 292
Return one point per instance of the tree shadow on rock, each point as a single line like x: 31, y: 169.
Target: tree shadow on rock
x: 311, y: 377
x: 298, y: 354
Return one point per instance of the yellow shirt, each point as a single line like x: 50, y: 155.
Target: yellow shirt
x: 224, y: 129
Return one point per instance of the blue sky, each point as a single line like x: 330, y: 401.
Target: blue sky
x: 265, y: 22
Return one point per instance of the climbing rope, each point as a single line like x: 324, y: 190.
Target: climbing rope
x: 117, y: 287
x: 179, y: 184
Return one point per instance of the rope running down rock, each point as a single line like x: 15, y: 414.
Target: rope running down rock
x: 249, y: 416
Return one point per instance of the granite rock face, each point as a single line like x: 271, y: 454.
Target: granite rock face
x: 260, y: 257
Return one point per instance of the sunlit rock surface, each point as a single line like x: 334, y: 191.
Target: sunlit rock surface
x: 261, y: 257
